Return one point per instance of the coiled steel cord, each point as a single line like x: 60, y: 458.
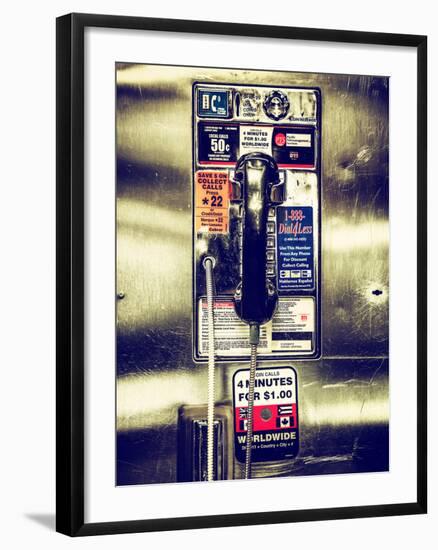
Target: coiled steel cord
x: 209, y: 264
x: 250, y: 420
x: 254, y: 336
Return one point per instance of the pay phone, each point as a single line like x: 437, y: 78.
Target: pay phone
x: 234, y: 324
x: 256, y: 271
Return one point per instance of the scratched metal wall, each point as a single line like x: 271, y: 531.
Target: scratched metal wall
x: 343, y: 397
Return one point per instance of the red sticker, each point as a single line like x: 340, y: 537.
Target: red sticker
x: 280, y: 140
x: 212, y: 201
x: 275, y: 414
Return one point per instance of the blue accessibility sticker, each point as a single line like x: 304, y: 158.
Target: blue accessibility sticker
x: 214, y: 103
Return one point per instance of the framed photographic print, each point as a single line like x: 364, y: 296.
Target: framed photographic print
x: 241, y: 267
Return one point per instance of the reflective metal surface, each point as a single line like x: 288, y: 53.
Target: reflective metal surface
x: 343, y: 397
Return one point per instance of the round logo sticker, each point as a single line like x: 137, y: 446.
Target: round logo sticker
x: 276, y: 105
x: 280, y: 140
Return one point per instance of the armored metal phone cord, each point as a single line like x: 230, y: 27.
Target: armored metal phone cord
x: 254, y: 337
x: 209, y: 264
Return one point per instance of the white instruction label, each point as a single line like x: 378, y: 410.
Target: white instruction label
x: 291, y: 329
x: 255, y: 139
x: 293, y: 325
x: 298, y: 140
x: 231, y: 335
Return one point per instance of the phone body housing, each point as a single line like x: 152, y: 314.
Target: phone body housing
x: 284, y: 123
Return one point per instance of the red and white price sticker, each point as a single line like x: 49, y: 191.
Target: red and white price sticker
x: 275, y: 416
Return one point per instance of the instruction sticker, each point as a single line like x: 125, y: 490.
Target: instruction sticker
x: 275, y: 414
x: 218, y: 143
x: 295, y: 256
x: 292, y: 328
x: 256, y: 139
x: 212, y: 201
x: 230, y: 333
x: 293, y: 325
x: 294, y: 147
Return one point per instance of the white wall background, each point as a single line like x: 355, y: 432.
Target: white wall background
x: 27, y: 218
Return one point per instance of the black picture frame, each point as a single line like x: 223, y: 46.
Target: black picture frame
x: 70, y: 273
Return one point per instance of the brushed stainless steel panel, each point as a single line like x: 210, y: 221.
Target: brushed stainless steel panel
x: 154, y: 280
